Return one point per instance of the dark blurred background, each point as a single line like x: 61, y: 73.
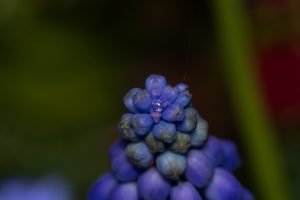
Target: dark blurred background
x: 65, y: 66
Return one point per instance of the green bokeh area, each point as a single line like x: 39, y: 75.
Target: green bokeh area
x: 65, y: 66
x: 59, y: 99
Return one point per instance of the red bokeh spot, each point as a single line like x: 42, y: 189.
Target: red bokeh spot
x: 280, y: 74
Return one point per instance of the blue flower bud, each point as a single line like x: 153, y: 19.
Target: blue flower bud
x: 102, y: 187
x: 184, y: 191
x: 223, y: 186
x: 247, y: 195
x: 171, y: 165
x: 122, y: 168
x: 125, y: 191
x: 184, y: 98
x: 181, y: 87
x: 139, y: 154
x: 173, y: 113
x: 199, y: 168
x: 154, y: 145
x: 164, y: 131
x: 142, y: 123
x: 190, y: 121
x: 182, y: 143
x: 153, y: 186
x: 199, y: 135
x: 155, y: 85
x: 169, y: 95
x: 117, y: 148
x: 231, y: 156
x: 214, y: 150
x: 143, y: 101
x: 125, y: 128
x: 128, y: 99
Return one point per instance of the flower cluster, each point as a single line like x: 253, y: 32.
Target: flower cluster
x: 165, y: 151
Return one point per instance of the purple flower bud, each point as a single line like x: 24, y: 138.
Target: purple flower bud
x: 152, y: 186
x: 199, y: 135
x: 199, y: 168
x: 154, y: 144
x: 214, y: 150
x: 231, y: 156
x: 142, y: 123
x: 182, y: 143
x: 164, y: 131
x: 181, y: 87
x: 247, y: 195
x: 139, y: 154
x: 125, y: 191
x: 223, y: 186
x: 117, y: 148
x: 169, y: 95
x: 184, y: 98
x: 128, y: 99
x: 155, y: 85
x: 171, y: 165
x: 143, y: 101
x: 173, y: 113
x: 102, y: 187
x: 190, y: 121
x: 185, y: 191
x: 122, y: 168
x: 155, y: 116
x: 125, y: 128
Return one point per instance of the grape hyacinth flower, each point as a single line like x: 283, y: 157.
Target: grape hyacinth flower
x: 164, y: 151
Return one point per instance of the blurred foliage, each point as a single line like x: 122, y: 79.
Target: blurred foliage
x: 65, y: 65
x: 234, y: 31
x: 58, y: 97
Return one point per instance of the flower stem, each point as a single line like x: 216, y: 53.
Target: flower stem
x: 258, y: 134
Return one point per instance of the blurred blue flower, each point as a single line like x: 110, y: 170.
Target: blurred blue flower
x: 47, y: 188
